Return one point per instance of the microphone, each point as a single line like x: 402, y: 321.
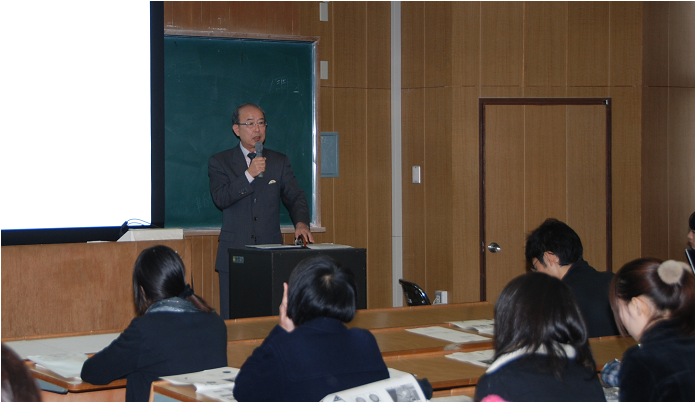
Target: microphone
x: 259, y: 151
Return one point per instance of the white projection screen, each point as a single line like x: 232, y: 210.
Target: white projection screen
x: 76, y: 117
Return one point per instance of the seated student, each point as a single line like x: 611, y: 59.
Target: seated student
x: 176, y: 334
x: 541, y: 347
x: 654, y: 303
x: 17, y: 383
x: 311, y: 353
x: 555, y: 249
x: 690, y: 236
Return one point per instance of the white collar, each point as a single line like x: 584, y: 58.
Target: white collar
x: 506, y: 358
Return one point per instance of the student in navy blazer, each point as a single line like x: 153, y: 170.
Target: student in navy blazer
x: 250, y: 202
x: 311, y: 353
x: 176, y: 332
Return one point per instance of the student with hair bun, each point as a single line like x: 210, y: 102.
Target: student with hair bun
x: 653, y: 301
x: 176, y: 332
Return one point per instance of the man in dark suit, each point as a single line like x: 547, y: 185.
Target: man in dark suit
x: 555, y: 249
x: 250, y: 203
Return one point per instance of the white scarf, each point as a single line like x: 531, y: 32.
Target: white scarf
x: 506, y: 358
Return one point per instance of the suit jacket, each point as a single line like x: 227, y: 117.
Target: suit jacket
x: 591, y: 290
x: 319, y: 357
x: 159, y: 344
x: 251, y: 211
x: 660, y: 368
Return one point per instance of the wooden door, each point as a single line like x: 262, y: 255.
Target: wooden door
x: 541, y: 158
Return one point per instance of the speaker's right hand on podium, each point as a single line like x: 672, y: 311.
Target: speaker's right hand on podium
x: 285, y: 322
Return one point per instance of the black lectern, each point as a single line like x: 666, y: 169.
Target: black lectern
x: 257, y: 276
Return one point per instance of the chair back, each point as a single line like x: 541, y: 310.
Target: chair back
x: 414, y: 294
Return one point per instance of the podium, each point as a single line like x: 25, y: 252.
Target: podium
x: 257, y: 276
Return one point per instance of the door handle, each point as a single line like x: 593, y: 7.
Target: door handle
x: 494, y: 247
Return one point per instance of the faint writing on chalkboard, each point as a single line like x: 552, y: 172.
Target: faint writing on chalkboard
x: 280, y: 85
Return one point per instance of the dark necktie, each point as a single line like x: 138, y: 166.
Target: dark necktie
x: 251, y: 157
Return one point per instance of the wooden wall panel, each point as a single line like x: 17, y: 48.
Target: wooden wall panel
x: 215, y: 15
x: 379, y: 198
x: 412, y: 44
x: 282, y: 17
x: 437, y: 186
x: 350, y: 195
x: 545, y: 41
x: 72, y: 287
x: 655, y: 43
x: 438, y: 38
x: 545, y: 92
x: 465, y: 195
x: 545, y: 164
x: 466, y: 43
x: 501, y: 43
x: 626, y: 43
x: 309, y: 25
x: 655, y: 173
x: 350, y: 39
x: 378, y: 47
x: 413, y: 199
x: 588, y: 43
x: 681, y: 168
x: 681, y: 44
x: 626, y: 186
x: 586, y: 180
x: 328, y: 185
x: 185, y: 15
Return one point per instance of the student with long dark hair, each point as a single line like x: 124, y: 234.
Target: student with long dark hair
x: 176, y: 332
x: 311, y: 353
x: 541, y: 348
x: 653, y: 301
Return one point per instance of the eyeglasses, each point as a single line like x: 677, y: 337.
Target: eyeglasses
x: 251, y: 125
x: 534, y: 263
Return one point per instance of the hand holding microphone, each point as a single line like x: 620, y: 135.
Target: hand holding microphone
x: 259, y: 153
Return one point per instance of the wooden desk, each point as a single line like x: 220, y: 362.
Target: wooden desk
x: 81, y: 391
x: 258, y: 328
x: 447, y: 376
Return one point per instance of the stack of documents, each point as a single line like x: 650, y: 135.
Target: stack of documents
x: 451, y: 335
x: 482, y: 326
x: 217, y: 383
x: 483, y: 358
x: 68, y: 365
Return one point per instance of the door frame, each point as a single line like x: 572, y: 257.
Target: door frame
x: 483, y: 102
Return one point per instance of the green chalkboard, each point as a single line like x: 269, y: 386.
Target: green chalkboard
x: 205, y: 80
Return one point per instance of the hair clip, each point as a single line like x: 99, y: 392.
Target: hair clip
x: 671, y: 271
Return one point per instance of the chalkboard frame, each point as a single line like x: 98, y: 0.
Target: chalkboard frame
x: 314, y: 198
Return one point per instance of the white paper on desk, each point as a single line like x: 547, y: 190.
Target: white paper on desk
x: 222, y: 394
x: 483, y: 326
x: 89, y: 344
x: 210, y: 378
x: 67, y: 365
x: 25, y: 348
x: 399, y: 387
x: 327, y: 246
x: 274, y: 246
x: 451, y: 335
x: 482, y: 358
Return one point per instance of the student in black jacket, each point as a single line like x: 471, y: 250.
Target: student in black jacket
x: 311, y: 353
x: 653, y: 301
x: 176, y: 333
x: 555, y: 249
x: 541, y: 347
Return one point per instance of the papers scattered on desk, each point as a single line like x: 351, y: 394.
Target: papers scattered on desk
x: 482, y: 326
x: 399, y: 387
x: 274, y: 246
x: 451, y: 335
x: 483, y: 358
x: 89, y: 344
x: 326, y: 246
x: 217, y: 383
x: 67, y: 365
x: 208, y: 379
